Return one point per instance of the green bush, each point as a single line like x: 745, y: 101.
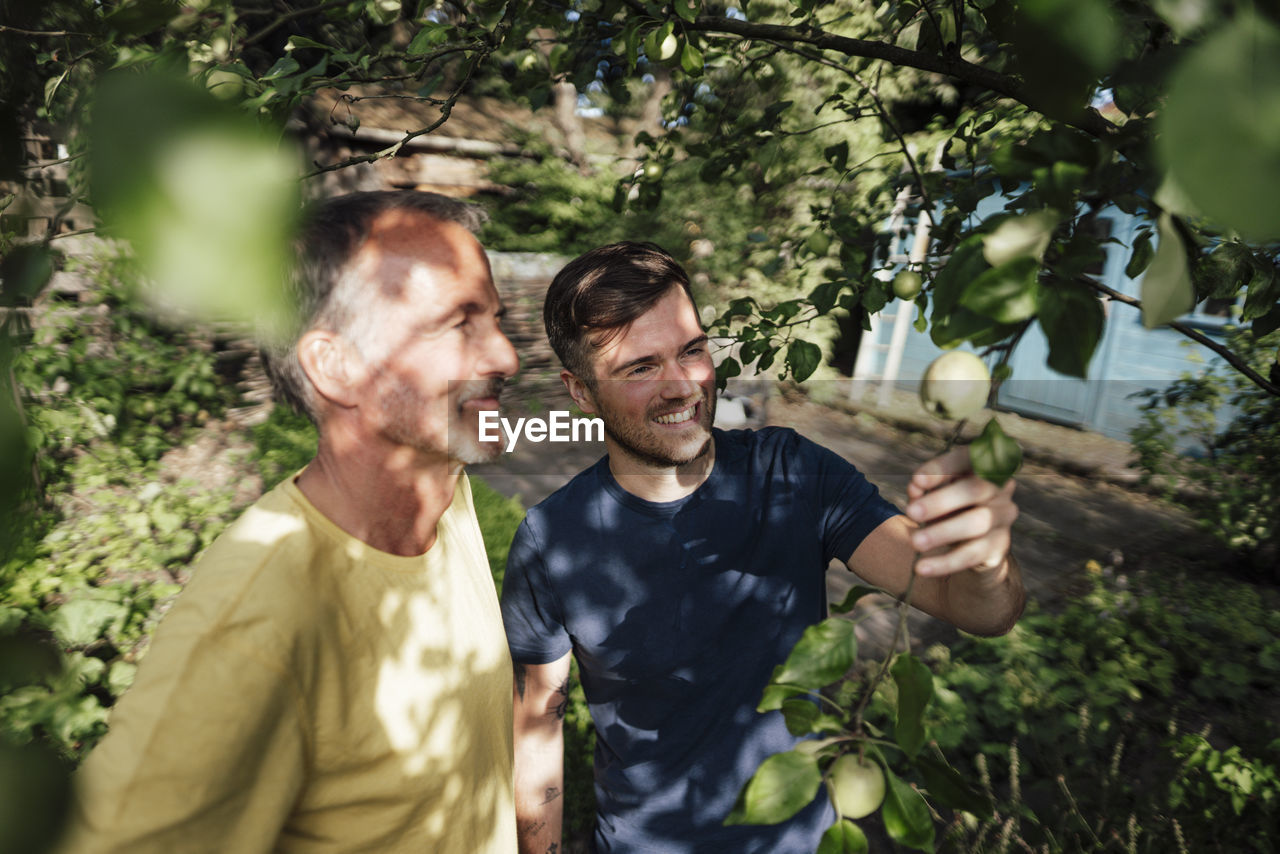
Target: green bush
x: 1130, y: 721
x: 1227, y: 474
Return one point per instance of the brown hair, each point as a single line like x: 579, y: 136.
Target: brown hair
x: 605, y: 290
x: 332, y: 231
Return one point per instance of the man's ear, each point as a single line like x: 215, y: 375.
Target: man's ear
x: 333, y: 366
x: 579, y: 392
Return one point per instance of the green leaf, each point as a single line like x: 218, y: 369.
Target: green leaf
x: 687, y: 9
x: 915, y: 690
x: 691, y: 60
x: 1007, y: 293
x: 1167, y: 290
x: 1268, y: 323
x: 284, y: 66
x: 120, y: 676
x: 80, y: 622
x: 427, y: 38
x: 824, y: 653
x: 728, y: 368
x: 1263, y: 292
x: 1063, y: 47
x: 296, y: 42
x: 965, y: 264
x: 947, y: 787
x: 784, y: 784
x: 960, y: 325
x: 993, y: 455
x: 800, y: 715
x: 823, y: 297
x: 1020, y: 237
x: 803, y: 358
x: 1217, y: 133
x: 1073, y: 320
x: 775, y: 695
x: 206, y: 197
x: 906, y: 815
x: 843, y: 837
x: 837, y: 155
x: 851, y: 598
x: 1143, y: 252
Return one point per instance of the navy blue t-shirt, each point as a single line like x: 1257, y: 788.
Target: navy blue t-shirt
x: 677, y: 613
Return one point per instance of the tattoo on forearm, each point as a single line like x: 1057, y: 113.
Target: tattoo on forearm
x: 520, y: 673
x: 550, y: 795
x: 553, y: 848
x: 563, y: 705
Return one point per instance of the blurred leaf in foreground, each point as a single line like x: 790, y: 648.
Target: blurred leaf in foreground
x: 207, y: 198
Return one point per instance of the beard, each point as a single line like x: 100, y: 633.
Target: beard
x: 405, y: 408
x: 464, y: 438
x: 639, y: 440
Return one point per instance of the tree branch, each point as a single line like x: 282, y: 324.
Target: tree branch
x: 1195, y: 335
x: 446, y: 109
x: 1088, y: 120
x: 5, y: 28
x: 284, y: 19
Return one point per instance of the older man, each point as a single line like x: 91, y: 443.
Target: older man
x: 681, y: 569
x: 335, y: 678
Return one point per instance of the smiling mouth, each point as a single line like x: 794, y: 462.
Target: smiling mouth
x: 678, y: 417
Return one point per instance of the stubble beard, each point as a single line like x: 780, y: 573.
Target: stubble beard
x: 642, y: 444
x: 406, y: 407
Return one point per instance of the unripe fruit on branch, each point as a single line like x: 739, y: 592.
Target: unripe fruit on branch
x: 907, y: 285
x: 955, y: 385
x: 856, y: 786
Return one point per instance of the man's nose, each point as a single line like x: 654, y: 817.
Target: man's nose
x: 679, y: 381
x: 500, y: 355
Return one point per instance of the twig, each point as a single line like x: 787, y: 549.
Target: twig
x: 1195, y: 335
x: 901, y: 632
x: 446, y: 109
x: 53, y: 34
x: 286, y: 18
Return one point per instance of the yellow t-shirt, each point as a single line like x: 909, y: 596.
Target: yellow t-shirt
x: 308, y: 693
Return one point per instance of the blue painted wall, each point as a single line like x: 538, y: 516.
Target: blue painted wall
x: 1129, y: 358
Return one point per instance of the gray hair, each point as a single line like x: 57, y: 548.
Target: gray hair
x: 323, y: 296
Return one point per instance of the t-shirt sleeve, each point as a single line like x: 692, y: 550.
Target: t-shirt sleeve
x: 849, y: 506
x: 531, y: 611
x: 205, y: 753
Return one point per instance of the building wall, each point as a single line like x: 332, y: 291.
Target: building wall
x: 1129, y: 357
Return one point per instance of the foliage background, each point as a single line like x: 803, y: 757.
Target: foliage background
x: 785, y: 132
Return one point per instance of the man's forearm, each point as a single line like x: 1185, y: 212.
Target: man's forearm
x: 540, y: 793
x: 541, y: 700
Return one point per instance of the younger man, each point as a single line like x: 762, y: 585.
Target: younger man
x: 681, y: 569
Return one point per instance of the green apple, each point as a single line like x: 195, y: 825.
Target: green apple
x: 907, y: 285
x: 855, y: 785
x: 955, y: 385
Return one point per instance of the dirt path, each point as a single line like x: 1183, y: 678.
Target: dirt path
x: 1066, y: 519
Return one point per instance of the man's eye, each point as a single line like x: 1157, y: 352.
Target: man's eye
x: 639, y: 370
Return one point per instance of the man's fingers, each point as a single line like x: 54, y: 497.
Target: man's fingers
x: 966, y: 492
x: 986, y: 552
x: 940, y: 470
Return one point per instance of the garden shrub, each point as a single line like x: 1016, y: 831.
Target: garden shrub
x: 1129, y: 722
x: 1228, y: 474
